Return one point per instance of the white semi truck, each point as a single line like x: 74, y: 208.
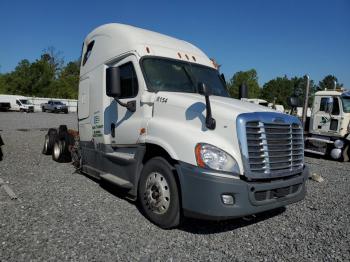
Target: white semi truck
x: 156, y: 119
x: 329, y: 129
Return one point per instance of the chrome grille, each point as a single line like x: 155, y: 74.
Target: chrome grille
x: 274, y: 148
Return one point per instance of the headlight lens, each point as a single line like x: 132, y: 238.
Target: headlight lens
x: 209, y: 156
x: 338, y: 144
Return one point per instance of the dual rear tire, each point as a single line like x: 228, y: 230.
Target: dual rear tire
x: 57, y: 144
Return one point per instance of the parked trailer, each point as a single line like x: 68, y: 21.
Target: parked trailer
x: 17, y: 103
x: 155, y: 119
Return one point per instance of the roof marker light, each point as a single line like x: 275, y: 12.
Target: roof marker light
x: 194, y: 59
x: 187, y: 57
x: 179, y: 55
x: 147, y: 49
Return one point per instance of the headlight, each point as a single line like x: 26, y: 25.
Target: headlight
x: 338, y: 144
x: 209, y: 156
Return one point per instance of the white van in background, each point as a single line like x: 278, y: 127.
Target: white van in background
x: 17, y: 103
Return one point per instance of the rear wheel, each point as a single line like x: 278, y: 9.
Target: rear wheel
x: 158, y: 193
x: 42, y: 109
x: 49, y: 142
x: 346, y: 153
x: 46, y: 145
x: 60, y: 152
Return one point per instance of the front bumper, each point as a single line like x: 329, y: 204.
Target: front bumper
x: 201, y: 192
x: 62, y: 109
x: 28, y: 109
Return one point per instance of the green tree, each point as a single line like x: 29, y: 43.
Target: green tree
x: 43, y: 76
x: 328, y: 82
x: 68, y: 81
x: 54, y: 58
x: 2, y: 84
x: 20, y: 80
x: 250, y: 78
x: 279, y: 89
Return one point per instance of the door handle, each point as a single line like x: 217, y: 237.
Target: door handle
x: 113, y: 130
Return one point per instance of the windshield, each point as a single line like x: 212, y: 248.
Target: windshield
x: 25, y: 102
x: 346, y: 104
x: 58, y: 103
x: 177, y: 76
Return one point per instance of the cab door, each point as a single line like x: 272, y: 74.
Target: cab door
x: 335, y: 117
x: 325, y: 122
x: 125, y: 125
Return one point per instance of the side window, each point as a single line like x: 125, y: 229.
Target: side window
x: 18, y: 103
x: 128, y: 80
x: 323, y: 104
x: 335, y: 110
x: 88, y: 51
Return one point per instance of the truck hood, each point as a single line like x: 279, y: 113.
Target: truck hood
x: 178, y: 124
x: 223, y: 107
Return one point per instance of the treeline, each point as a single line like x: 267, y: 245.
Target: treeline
x: 49, y: 76
x: 278, y: 89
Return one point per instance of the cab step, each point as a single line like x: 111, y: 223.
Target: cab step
x: 116, y: 180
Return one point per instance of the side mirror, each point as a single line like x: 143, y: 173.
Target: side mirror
x: 203, y: 89
x: 329, y: 105
x: 113, y: 88
x: 293, y: 101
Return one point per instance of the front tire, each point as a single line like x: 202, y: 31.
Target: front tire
x: 158, y: 194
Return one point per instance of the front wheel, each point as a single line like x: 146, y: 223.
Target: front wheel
x: 158, y: 193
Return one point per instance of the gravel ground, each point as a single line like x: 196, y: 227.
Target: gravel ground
x: 61, y: 215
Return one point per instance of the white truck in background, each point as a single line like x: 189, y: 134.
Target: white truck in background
x: 155, y: 118
x: 328, y: 131
x: 54, y: 106
x: 16, y: 103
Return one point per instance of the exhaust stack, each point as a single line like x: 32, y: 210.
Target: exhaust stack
x: 306, y: 100
x: 243, y: 91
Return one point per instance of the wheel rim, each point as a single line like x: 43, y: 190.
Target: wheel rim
x: 56, y: 151
x: 46, y: 145
x: 157, y: 193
